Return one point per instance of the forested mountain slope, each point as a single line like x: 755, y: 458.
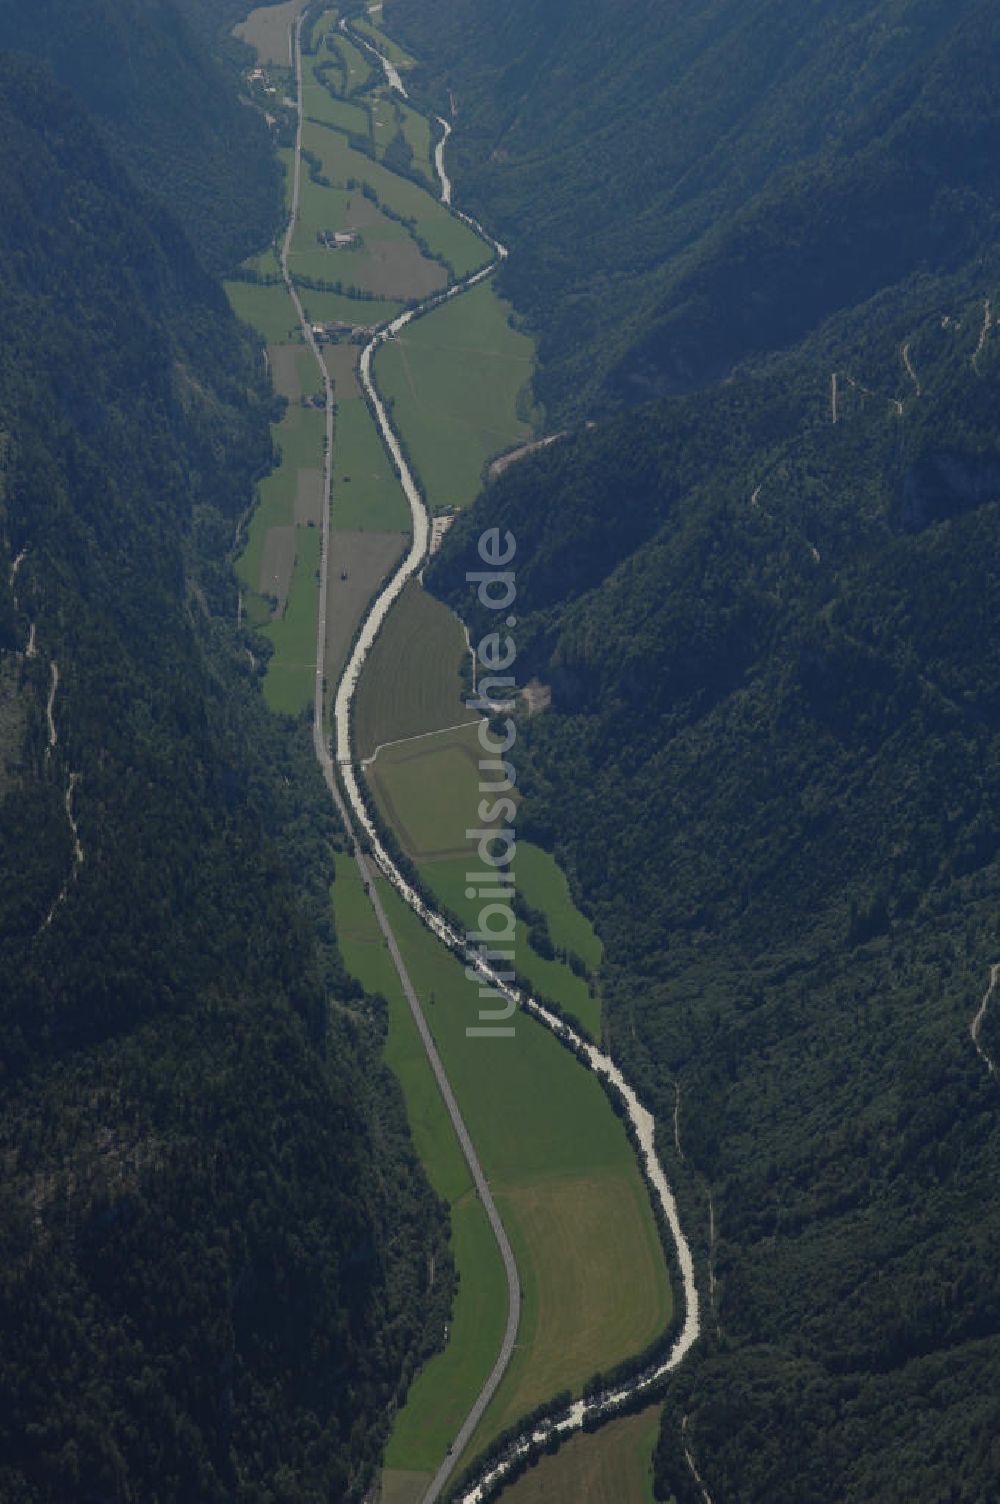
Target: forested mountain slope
x: 213, y: 1271
x: 772, y: 764
x: 767, y: 613
x: 162, y: 77
x: 688, y: 184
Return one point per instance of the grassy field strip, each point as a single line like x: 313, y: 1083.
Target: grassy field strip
x: 547, y: 976
x: 355, y: 65
x: 427, y: 789
x: 456, y: 379
x: 266, y: 309
x: 320, y: 105
x: 595, y: 1286
x: 444, y: 234
x: 288, y: 684
x: 367, y: 495
x: 267, y: 30
x: 280, y: 558
x: 443, y: 1392
x: 544, y: 885
x: 279, y: 564
x: 336, y: 307
x: 418, y: 133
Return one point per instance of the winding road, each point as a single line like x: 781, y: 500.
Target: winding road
x: 911, y: 370
x: 51, y: 705
x: 52, y: 741
x: 983, y: 335
x: 353, y: 811
x: 443, y: 177
x: 976, y: 1027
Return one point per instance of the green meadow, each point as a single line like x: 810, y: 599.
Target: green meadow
x: 367, y: 494
x: 356, y: 67
x: 543, y: 885
x: 565, y: 1178
x: 417, y: 130
x: 442, y: 1393
x: 299, y: 440
x: 444, y: 234
x: 320, y: 104
x: 386, y: 45
x: 455, y: 377
x: 339, y: 308
x: 268, y: 309
x: 427, y: 791
x: 290, y: 678
x: 549, y: 977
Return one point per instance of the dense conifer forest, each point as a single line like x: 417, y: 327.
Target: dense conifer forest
x: 686, y: 185
x: 757, y: 244
x: 162, y: 79
x: 766, y: 607
x: 214, y: 1235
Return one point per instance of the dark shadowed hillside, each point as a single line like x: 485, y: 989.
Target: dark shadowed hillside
x: 771, y: 763
x: 767, y: 613
x: 687, y: 185
x: 214, y: 1234
x: 162, y: 78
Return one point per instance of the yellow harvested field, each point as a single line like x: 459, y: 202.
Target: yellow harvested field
x: 266, y: 31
